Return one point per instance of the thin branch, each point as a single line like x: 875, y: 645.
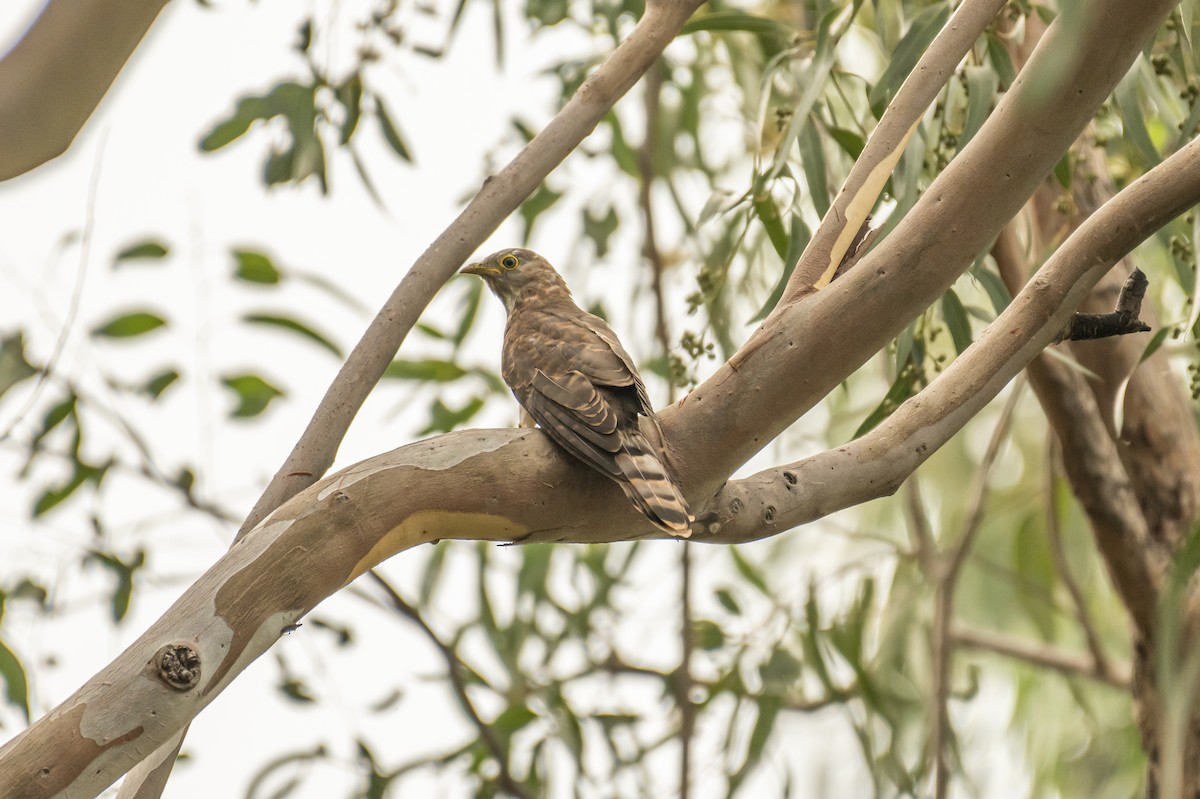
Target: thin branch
x: 1072, y: 664
x: 1119, y: 322
x: 851, y: 208
x: 1078, y: 601
x: 499, y: 196
x: 454, y: 668
x: 948, y: 567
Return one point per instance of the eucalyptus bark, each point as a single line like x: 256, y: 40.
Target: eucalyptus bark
x: 521, y: 488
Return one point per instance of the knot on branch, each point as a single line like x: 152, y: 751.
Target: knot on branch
x: 1122, y: 320
x: 178, y: 665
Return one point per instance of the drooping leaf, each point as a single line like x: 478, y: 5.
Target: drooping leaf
x: 349, y: 93
x: 156, y: 385
x: 956, y: 320
x: 294, y: 326
x: 1132, y: 118
x: 129, y: 325
x: 1155, y: 342
x: 812, y: 155
x: 443, y: 418
x: 925, y: 26
x: 123, y: 571
x: 255, y: 267
x: 149, y: 250
x: 540, y: 201
x: 902, y: 388
x: 16, y: 684
x: 254, y: 394
x: 982, y: 85
x: 391, y: 133
x: 14, y: 366
x: 429, y: 369
x: 797, y: 241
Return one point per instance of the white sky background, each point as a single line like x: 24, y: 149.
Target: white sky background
x: 134, y: 173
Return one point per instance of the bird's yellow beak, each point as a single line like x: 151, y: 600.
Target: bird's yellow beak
x: 479, y: 269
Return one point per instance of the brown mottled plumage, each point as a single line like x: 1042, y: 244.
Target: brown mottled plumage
x: 571, y: 374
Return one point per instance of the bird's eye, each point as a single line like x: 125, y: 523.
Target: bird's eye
x: 509, y: 262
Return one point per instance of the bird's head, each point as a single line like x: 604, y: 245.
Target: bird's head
x: 516, y: 275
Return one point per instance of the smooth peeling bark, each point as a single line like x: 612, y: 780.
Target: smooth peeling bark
x: 809, y: 346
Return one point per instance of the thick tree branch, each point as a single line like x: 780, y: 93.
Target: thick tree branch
x: 55, y: 76
x: 876, y: 464
x: 522, y: 487
x: 499, y: 196
x: 845, y: 219
x: 808, y: 344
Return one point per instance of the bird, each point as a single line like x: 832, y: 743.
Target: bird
x: 570, y: 373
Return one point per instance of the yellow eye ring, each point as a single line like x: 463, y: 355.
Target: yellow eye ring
x: 509, y: 262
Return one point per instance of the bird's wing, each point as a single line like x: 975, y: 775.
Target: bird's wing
x: 575, y: 414
x: 605, y: 361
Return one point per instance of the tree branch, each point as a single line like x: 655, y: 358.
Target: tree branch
x: 338, y: 528
x: 844, y: 222
x: 454, y: 670
x: 1070, y: 663
x: 55, y: 76
x: 499, y: 196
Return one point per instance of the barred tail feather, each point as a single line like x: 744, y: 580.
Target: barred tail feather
x: 650, y: 488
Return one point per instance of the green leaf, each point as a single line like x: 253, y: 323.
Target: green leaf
x: 708, y: 635
x: 124, y: 572
x: 443, y: 418
x: 1155, y: 342
x: 16, y: 684
x: 14, y: 366
x: 915, y: 42
x: 600, y: 229
x: 155, y: 386
x: 768, y: 213
x: 903, y: 388
x: 143, y: 251
x: 513, y: 719
x: 1062, y: 170
x: 255, y: 267
x: 56, y: 416
x: 956, y: 320
x: 729, y: 21
x: 851, y: 143
x: 982, y: 85
x: 54, y: 496
x: 129, y: 325
x: 391, y: 133
x: 750, y: 572
x: 1133, y: 121
x: 797, y: 241
x: 294, y: 326
x: 254, y: 394
x: 727, y: 600
x: 349, y: 93
x: 994, y: 286
x: 812, y: 155
x: 1001, y: 60
x: 537, y: 203
x: 430, y: 369
x: 295, y: 689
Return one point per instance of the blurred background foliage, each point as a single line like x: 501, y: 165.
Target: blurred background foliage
x: 802, y: 665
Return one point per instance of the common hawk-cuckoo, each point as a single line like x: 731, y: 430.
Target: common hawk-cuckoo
x: 571, y: 374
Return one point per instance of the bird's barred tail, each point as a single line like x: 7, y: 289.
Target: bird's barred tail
x: 651, y: 489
